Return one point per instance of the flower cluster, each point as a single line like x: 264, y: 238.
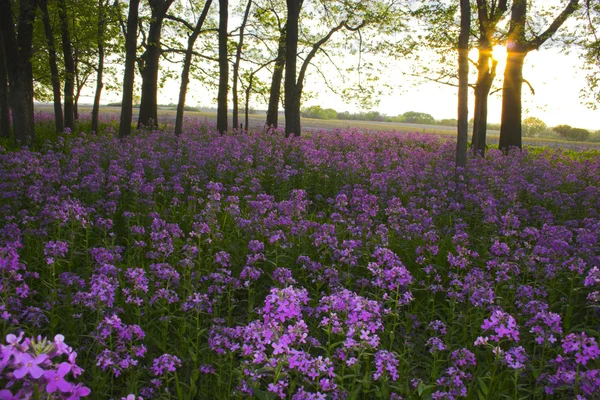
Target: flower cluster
x: 503, y: 325
x: 121, y: 349
x: 38, y: 365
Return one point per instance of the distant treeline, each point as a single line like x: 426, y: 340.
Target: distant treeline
x: 409, y: 117
x: 532, y: 126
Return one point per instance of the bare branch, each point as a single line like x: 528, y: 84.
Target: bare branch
x: 530, y: 87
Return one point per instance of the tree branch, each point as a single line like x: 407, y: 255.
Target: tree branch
x: 181, y: 51
x: 313, y: 52
x: 180, y: 20
x: 530, y: 87
x: 558, y: 21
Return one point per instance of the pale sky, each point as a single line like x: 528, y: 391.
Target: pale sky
x: 557, y: 79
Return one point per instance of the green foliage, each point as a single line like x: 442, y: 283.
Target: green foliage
x: 448, y: 122
x: 364, y: 116
x: 533, y: 127
x: 319, y: 113
x: 570, y: 133
x: 414, y: 117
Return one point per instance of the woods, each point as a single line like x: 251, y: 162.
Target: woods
x: 270, y: 53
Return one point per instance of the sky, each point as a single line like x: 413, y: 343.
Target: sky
x: 556, y: 77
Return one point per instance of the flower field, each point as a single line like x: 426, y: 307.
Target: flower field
x: 338, y: 265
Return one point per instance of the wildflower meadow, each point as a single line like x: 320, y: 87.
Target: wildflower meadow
x: 336, y: 265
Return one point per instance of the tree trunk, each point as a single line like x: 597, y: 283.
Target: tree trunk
x: 236, y: 66
x: 79, y: 85
x: 479, y: 139
x: 129, y: 74
x: 185, y: 73
x: 292, y: 99
x: 510, y: 128
x: 517, y: 48
x: 223, y: 68
x: 275, y: 92
x: 69, y: 65
x: 100, y: 68
x: 485, y: 78
x: 18, y: 50
x: 149, y: 102
x: 247, y: 102
x: 58, y: 114
x: 463, y: 84
x: 4, y: 107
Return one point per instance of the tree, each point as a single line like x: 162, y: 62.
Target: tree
x: 276, y: 79
x: 591, y: 54
x: 319, y: 113
x: 533, y: 126
x: 292, y: 95
x: 17, y: 45
x: 69, y: 90
x: 236, y: 65
x: 149, y: 64
x: 53, y: 64
x: 223, y: 68
x: 570, y: 133
x: 518, y: 46
x: 441, y: 36
x: 463, y: 84
x: 102, y: 23
x: 4, y: 107
x: 187, y: 63
x: 414, y: 117
x: 351, y: 16
x: 488, y: 16
x: 129, y: 73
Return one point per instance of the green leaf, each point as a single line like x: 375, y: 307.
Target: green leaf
x: 262, y: 395
x: 356, y: 392
x: 422, y: 388
x: 483, y: 386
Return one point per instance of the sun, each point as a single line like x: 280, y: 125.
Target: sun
x: 499, y: 52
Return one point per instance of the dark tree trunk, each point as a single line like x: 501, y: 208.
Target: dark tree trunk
x: 275, y: 92
x: 129, y: 74
x: 100, y: 68
x: 292, y: 98
x: 79, y: 85
x: 485, y: 78
x: 517, y: 48
x: 149, y: 102
x: 69, y: 65
x: 510, y: 129
x: 223, y: 68
x: 187, y: 62
x: 58, y: 114
x: 4, y: 107
x: 18, y: 50
x: 463, y: 84
x: 247, y: 102
x: 488, y: 19
x: 236, y: 66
